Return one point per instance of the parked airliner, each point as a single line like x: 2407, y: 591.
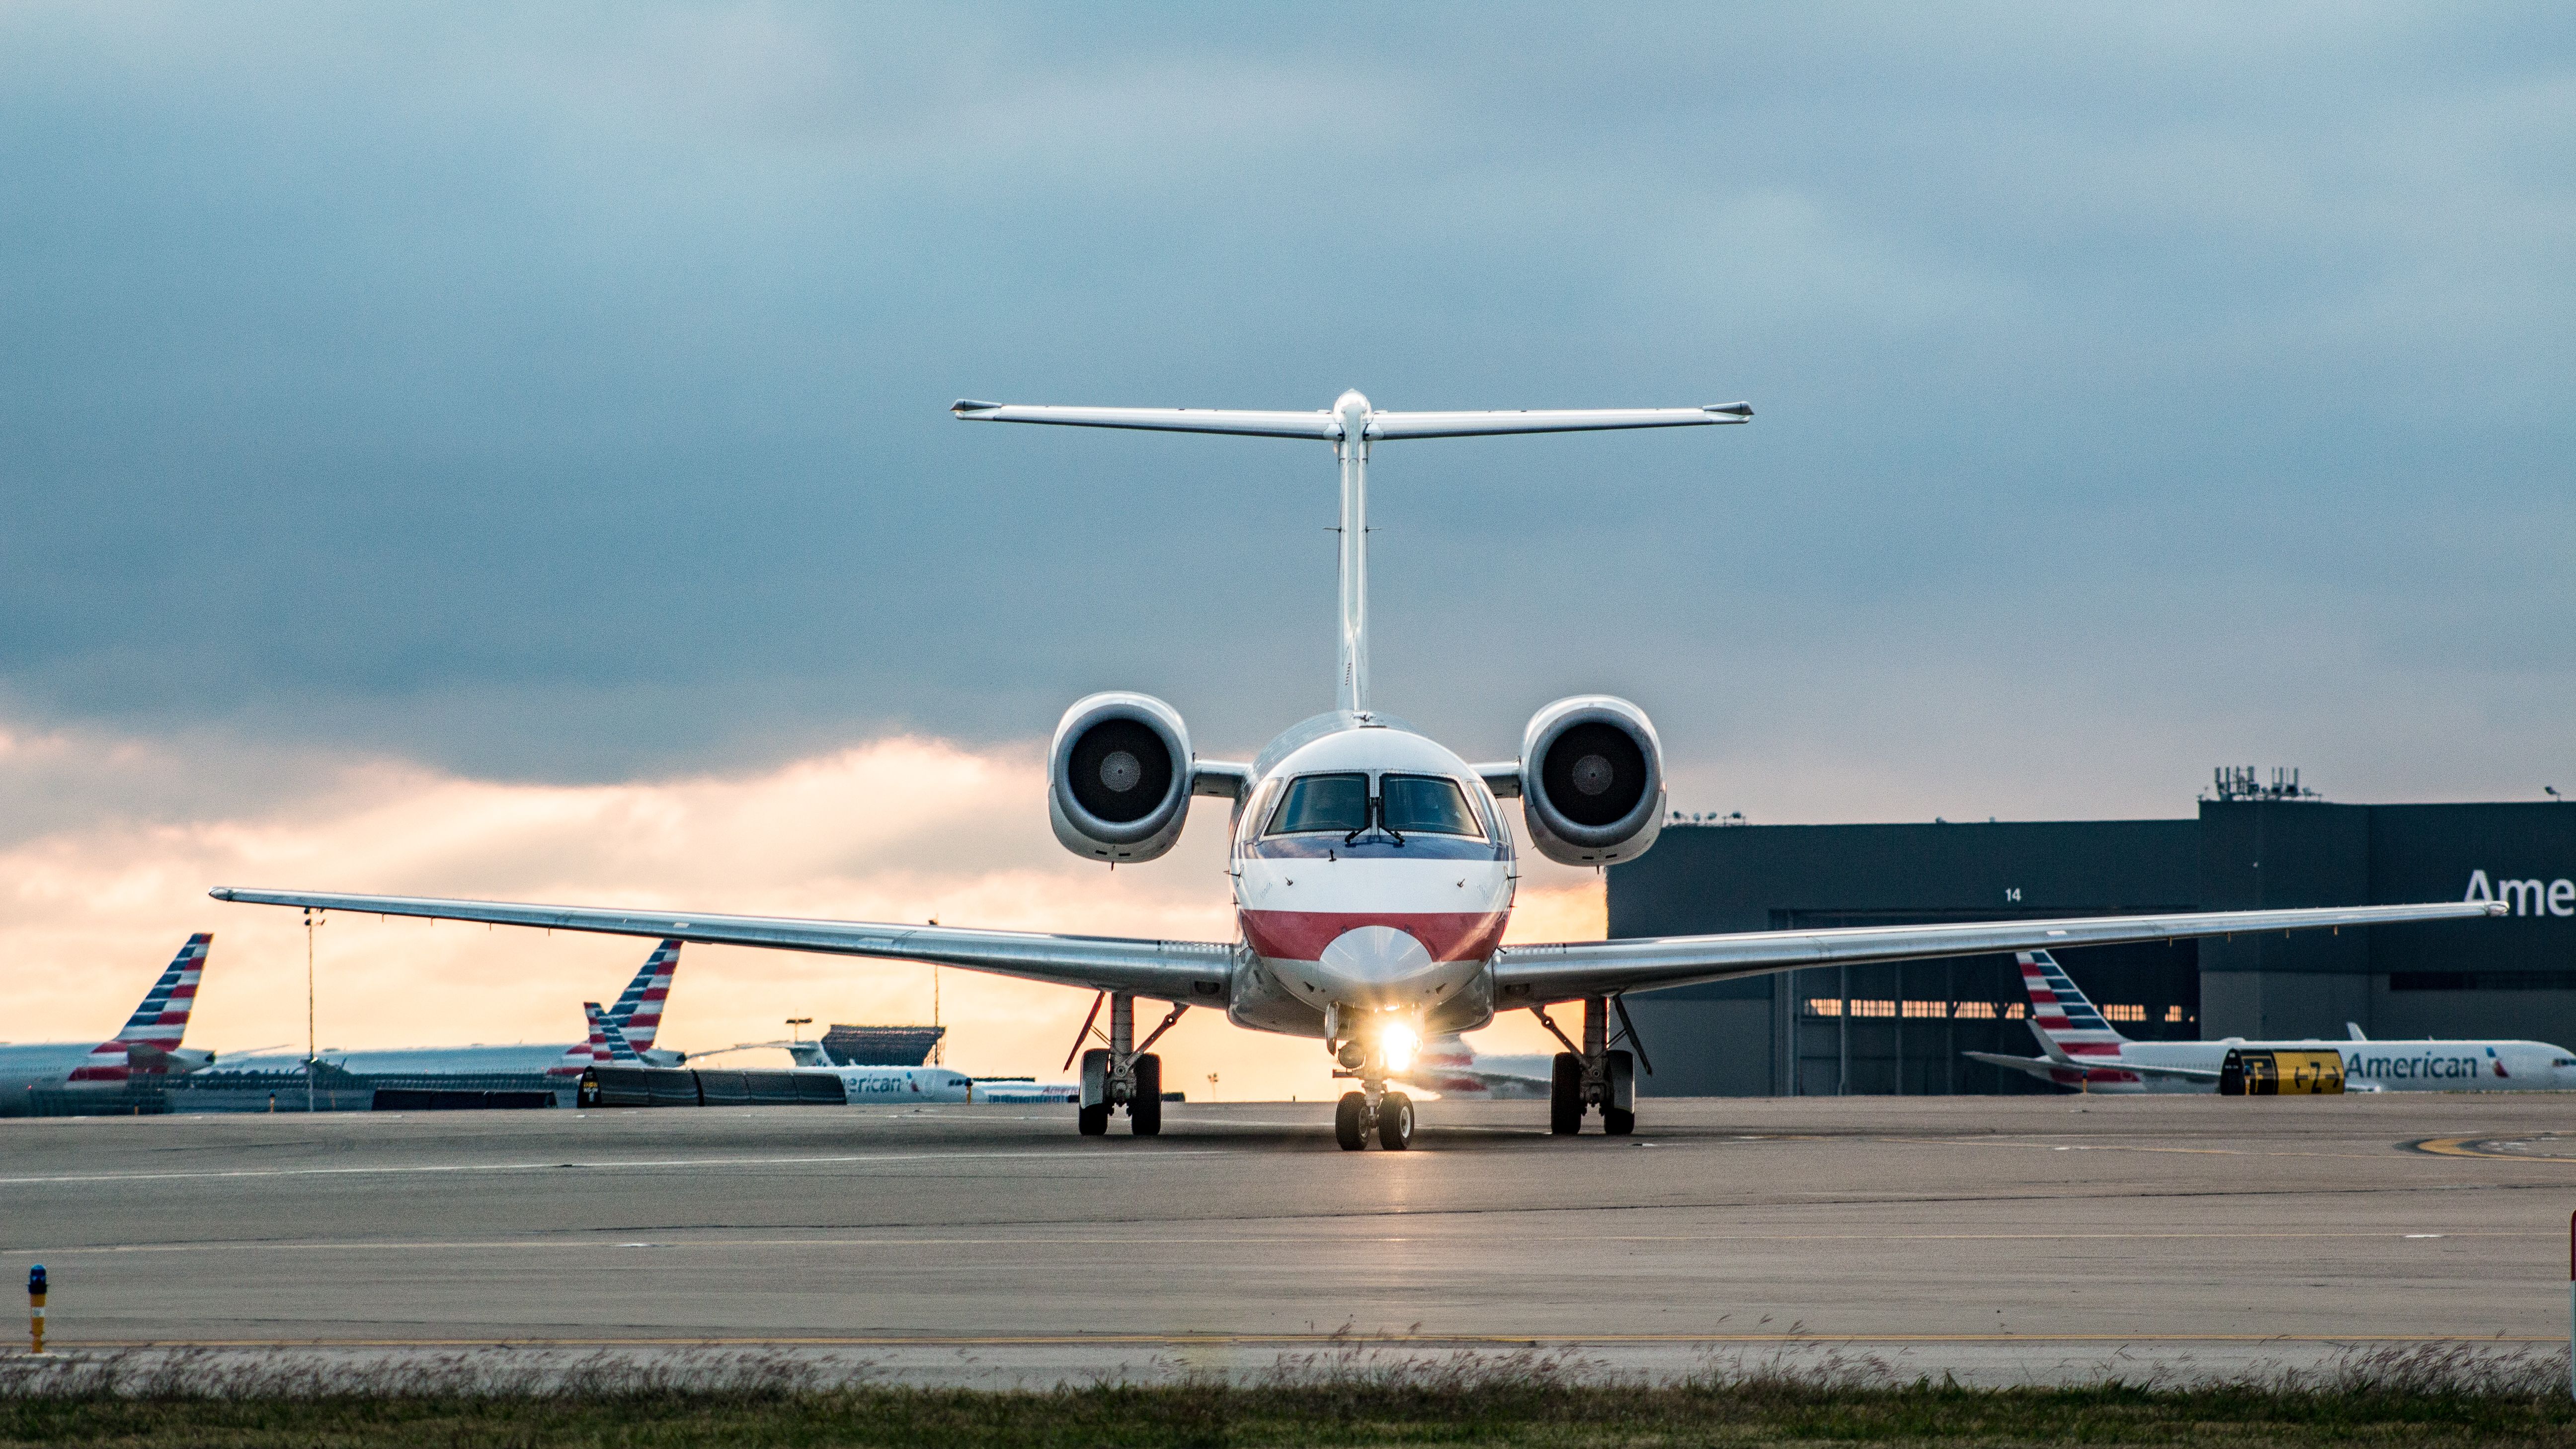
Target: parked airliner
x: 637, y: 1014
x: 1449, y: 1065
x: 145, y: 1051
x: 1373, y: 870
x: 2084, y: 1052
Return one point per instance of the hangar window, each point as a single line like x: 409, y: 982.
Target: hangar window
x: 1426, y: 803
x: 1976, y: 1011
x: 1323, y: 802
x: 2125, y: 1013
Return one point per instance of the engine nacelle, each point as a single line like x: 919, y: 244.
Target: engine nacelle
x: 1592, y: 781
x: 1118, y: 777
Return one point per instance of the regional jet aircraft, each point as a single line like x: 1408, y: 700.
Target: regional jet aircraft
x: 2085, y: 1052
x: 146, y: 1051
x: 1372, y: 867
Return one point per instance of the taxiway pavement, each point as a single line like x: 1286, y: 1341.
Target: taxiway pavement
x: 2030, y: 1237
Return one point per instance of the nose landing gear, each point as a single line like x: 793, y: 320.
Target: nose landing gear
x: 1390, y: 1120
x: 1372, y: 1110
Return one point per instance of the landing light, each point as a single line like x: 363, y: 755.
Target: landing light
x: 1397, y: 1044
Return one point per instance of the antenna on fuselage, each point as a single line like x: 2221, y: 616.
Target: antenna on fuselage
x: 1351, y: 425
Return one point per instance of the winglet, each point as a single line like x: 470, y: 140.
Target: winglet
x: 1733, y: 409
x: 965, y: 405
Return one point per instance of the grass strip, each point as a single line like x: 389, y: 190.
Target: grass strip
x: 1223, y: 1415
x: 2445, y: 1397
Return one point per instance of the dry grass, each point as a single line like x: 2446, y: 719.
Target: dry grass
x: 1346, y: 1394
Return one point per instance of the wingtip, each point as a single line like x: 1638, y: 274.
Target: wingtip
x: 967, y: 406
x: 1732, y: 410
x: 221, y: 893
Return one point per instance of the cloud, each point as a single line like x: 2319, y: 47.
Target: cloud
x: 906, y: 828
x: 556, y: 394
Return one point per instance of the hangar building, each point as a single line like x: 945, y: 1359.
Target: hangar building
x: 1900, y: 1028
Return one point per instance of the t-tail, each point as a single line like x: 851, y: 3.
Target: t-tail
x: 148, y: 1046
x: 638, y: 1010
x: 1353, y: 426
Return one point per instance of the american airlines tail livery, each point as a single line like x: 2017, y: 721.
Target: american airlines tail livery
x: 637, y: 1017
x: 146, y: 1050
x: 1372, y: 867
x: 2084, y: 1052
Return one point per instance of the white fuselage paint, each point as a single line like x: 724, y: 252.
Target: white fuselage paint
x: 1358, y: 921
x: 2388, y: 1066
x: 41, y: 1066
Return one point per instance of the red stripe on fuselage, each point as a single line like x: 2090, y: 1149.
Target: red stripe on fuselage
x: 1303, y: 935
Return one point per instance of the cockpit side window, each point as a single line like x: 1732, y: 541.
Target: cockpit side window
x: 1323, y: 802
x: 1427, y: 804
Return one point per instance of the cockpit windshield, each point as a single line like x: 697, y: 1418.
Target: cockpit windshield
x: 1426, y: 804
x: 1323, y: 802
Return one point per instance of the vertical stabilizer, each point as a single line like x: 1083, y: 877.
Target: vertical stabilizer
x: 156, y: 1027
x: 2060, y: 1014
x: 638, y: 1011
x: 608, y: 1043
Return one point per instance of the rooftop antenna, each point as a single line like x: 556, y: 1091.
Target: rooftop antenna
x: 1351, y: 425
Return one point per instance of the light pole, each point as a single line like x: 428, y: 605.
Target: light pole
x: 794, y: 1022
x: 312, y: 921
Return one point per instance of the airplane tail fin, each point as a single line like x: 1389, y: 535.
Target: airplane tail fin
x: 2354, y: 1029
x: 608, y: 1043
x: 2060, y: 1016
x: 162, y: 1019
x: 150, y: 1036
x: 1448, y: 1049
x: 638, y: 1010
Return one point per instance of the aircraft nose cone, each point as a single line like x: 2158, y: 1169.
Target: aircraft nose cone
x: 1376, y: 956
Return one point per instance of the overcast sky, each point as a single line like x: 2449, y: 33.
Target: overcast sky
x: 558, y: 393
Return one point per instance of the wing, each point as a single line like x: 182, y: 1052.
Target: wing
x: 1537, y: 975
x: 1165, y: 970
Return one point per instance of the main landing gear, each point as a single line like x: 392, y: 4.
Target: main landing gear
x: 1597, y: 1076
x: 1122, y: 1074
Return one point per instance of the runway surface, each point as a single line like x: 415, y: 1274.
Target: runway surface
x: 2002, y: 1238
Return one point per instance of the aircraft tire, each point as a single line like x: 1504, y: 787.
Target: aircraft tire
x: 1565, y: 1095
x: 1145, y: 1112
x: 1395, y: 1121
x: 1348, y: 1114
x: 1094, y: 1121
x: 1618, y: 1121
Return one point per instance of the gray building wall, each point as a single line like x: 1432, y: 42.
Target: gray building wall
x: 1804, y: 1032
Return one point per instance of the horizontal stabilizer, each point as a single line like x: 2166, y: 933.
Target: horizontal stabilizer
x: 1549, y: 420
x: 1321, y: 425
x: 1381, y: 426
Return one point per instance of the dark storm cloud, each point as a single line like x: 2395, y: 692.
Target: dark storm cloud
x: 562, y: 392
